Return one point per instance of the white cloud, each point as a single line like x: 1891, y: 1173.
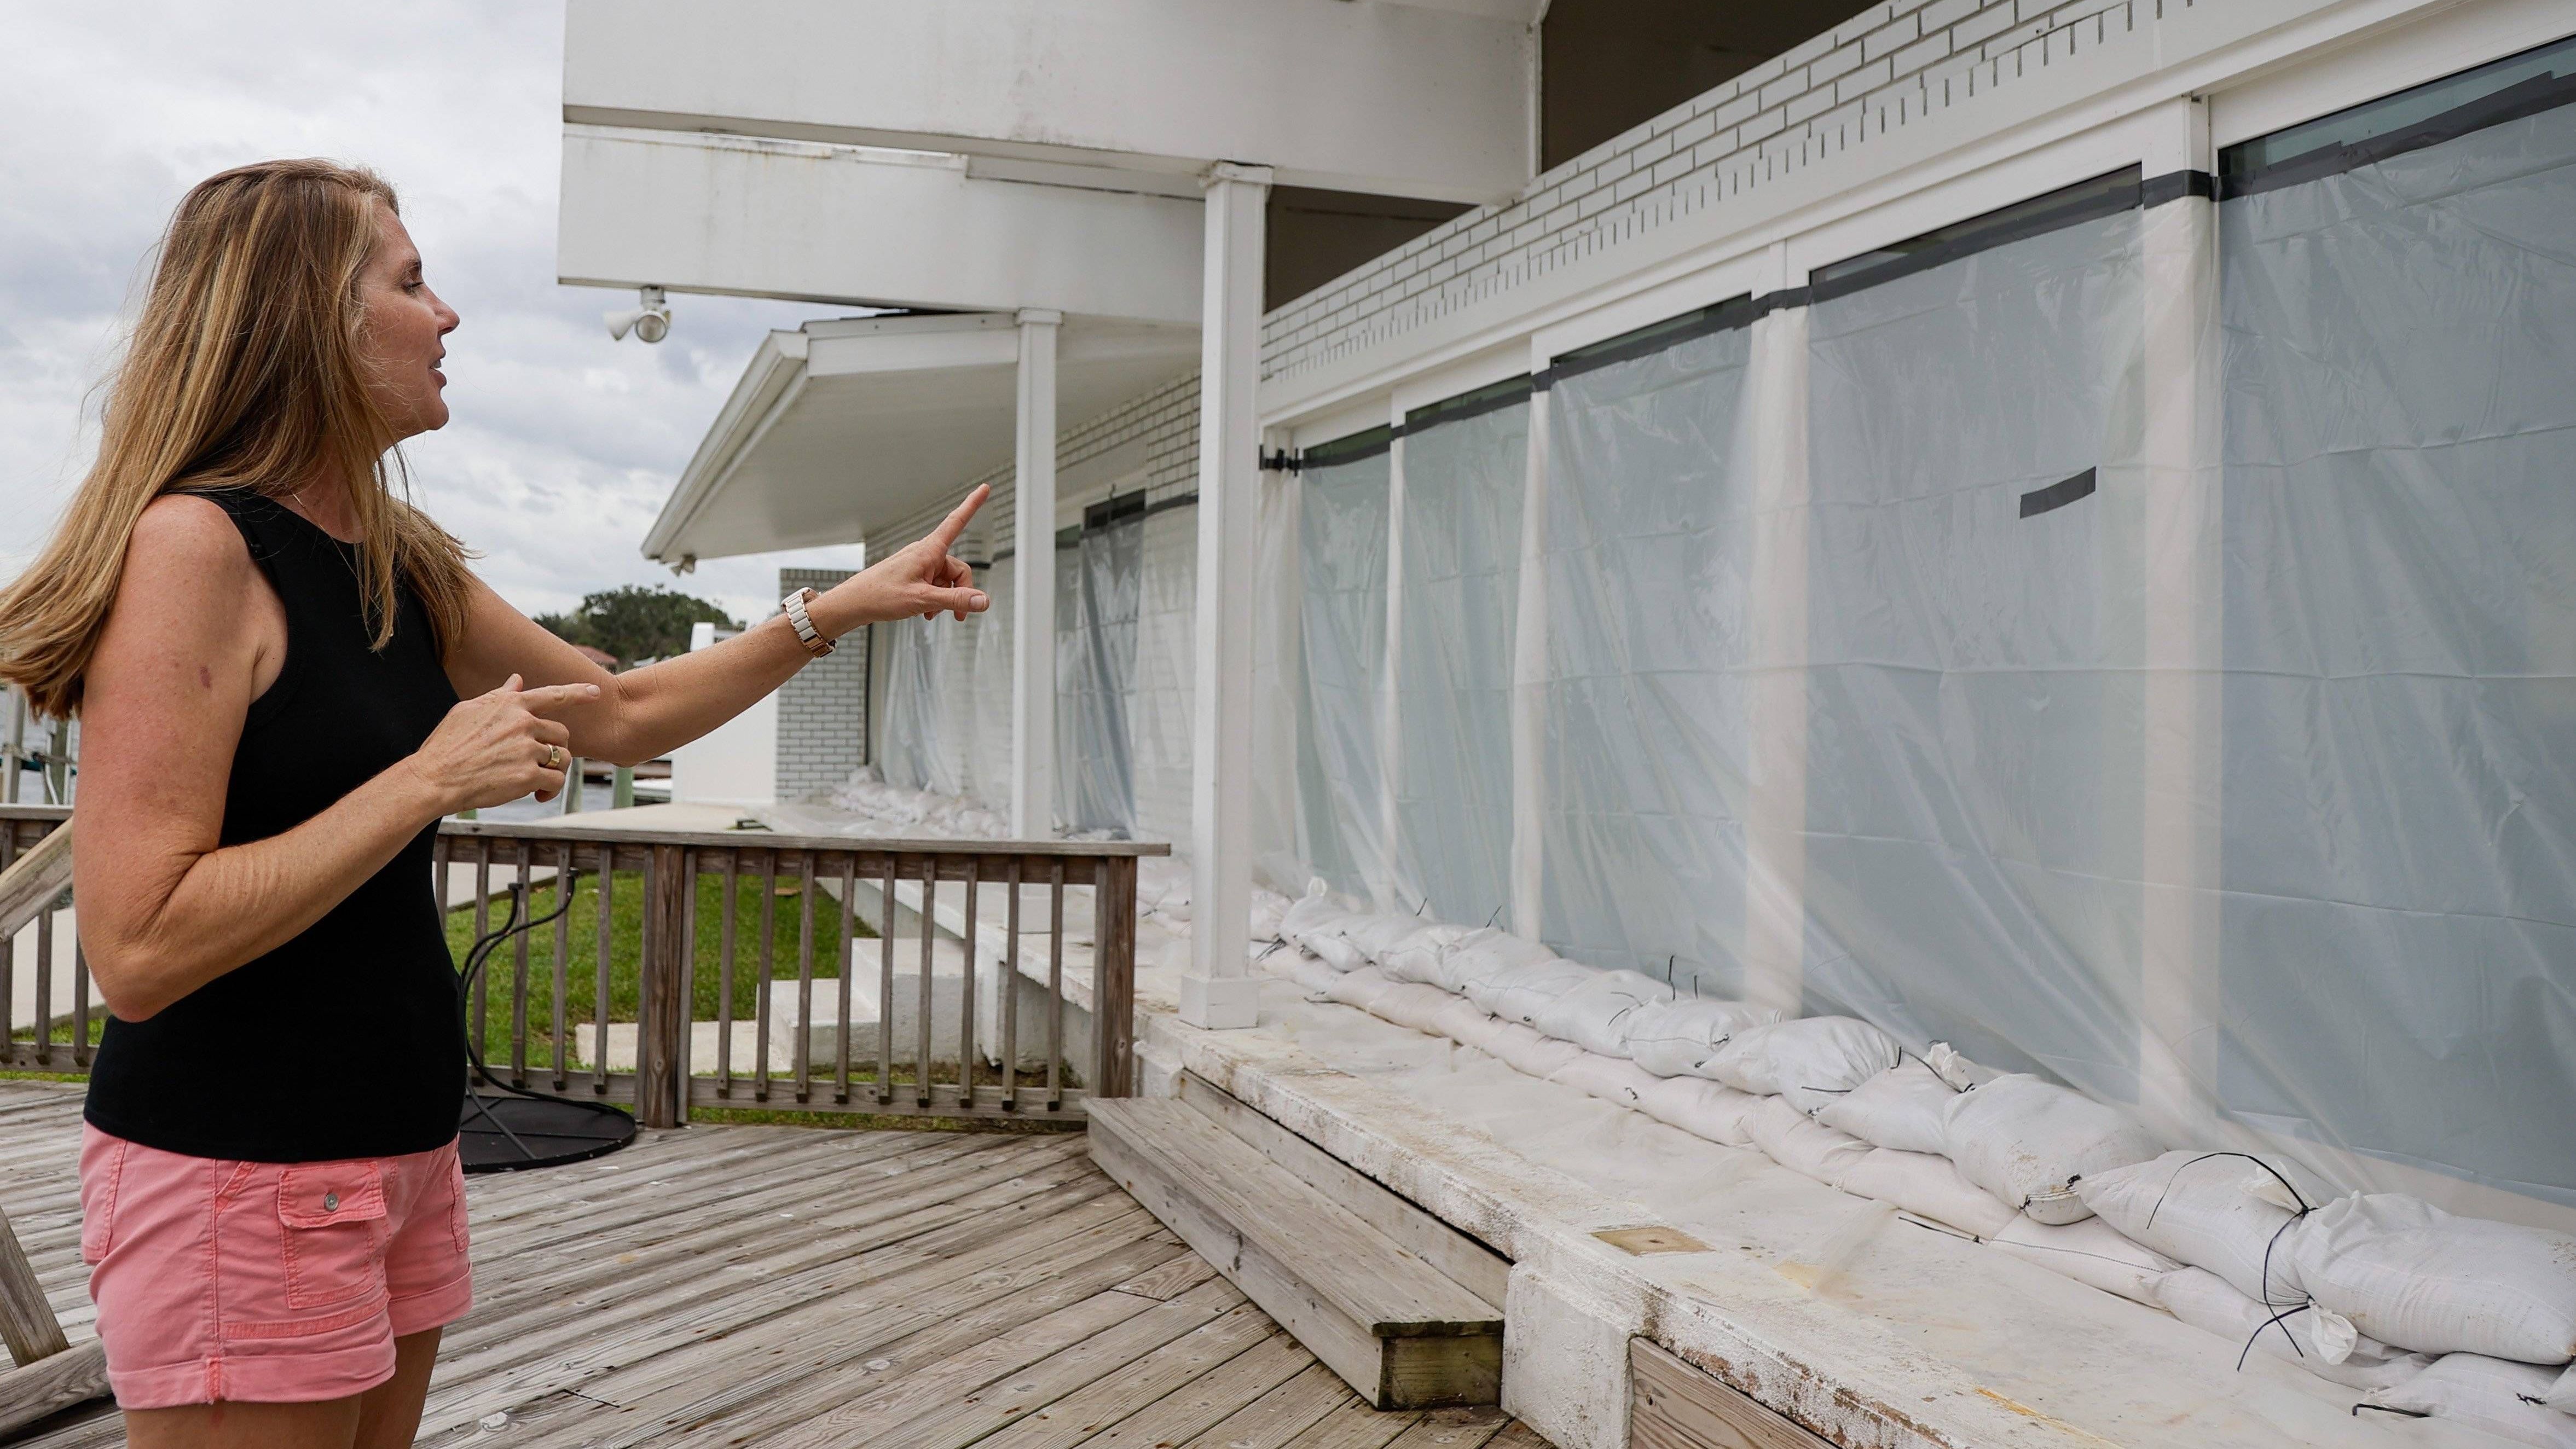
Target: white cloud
x: 564, y: 443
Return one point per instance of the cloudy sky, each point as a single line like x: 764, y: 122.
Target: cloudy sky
x: 564, y: 443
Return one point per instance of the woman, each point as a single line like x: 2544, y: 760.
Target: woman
x: 286, y: 675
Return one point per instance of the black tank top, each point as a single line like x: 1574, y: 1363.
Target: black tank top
x: 344, y: 1041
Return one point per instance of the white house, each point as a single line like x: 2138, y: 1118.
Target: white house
x: 2039, y: 525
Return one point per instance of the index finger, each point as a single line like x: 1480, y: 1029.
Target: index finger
x: 546, y: 697
x: 955, y: 523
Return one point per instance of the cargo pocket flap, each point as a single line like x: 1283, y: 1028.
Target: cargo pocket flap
x: 325, y: 1194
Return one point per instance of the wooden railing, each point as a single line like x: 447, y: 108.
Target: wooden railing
x: 661, y: 917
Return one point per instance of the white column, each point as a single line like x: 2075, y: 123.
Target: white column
x: 1033, y: 585
x: 1529, y: 670
x: 1217, y: 991
x: 2179, y: 801
x: 1775, y: 817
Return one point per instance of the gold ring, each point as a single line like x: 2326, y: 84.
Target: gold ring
x: 554, y: 757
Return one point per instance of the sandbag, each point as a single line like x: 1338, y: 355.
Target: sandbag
x: 2408, y: 1273
x: 1927, y: 1186
x: 2562, y: 1392
x: 2223, y: 1211
x: 1362, y: 988
x: 2483, y: 1393
x: 1810, y: 1061
x: 1902, y: 1108
x: 1529, y: 1053
x: 1522, y: 992
x: 1466, y: 1023
x: 1803, y: 1145
x: 1958, y: 1071
x: 1592, y: 1014
x: 1608, y: 1078
x: 2208, y: 1302
x: 2027, y: 1141
x: 1482, y: 955
x: 2089, y: 1252
x: 1410, y: 1003
x: 1676, y: 1038
x: 1416, y: 955
x: 1703, y: 1108
x: 1380, y: 932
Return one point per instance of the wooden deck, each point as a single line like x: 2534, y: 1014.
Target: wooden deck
x: 786, y: 1286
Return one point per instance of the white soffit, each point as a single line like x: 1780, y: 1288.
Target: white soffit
x: 847, y: 428
x: 871, y: 227
x: 1395, y: 99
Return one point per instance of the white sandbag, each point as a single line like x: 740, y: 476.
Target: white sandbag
x: 1269, y: 909
x: 1380, y: 932
x: 1529, y: 1053
x: 1677, y: 1038
x: 1410, y: 1003
x: 1803, y: 1145
x: 2562, y: 1392
x: 2088, y: 1252
x: 1521, y: 993
x: 1810, y: 1061
x: 1927, y: 1186
x: 1482, y: 955
x: 1318, y: 924
x: 2026, y: 1141
x: 1702, y: 1108
x: 1466, y: 1023
x: 1361, y: 988
x: 1608, y: 1078
x: 2482, y: 1393
x: 1416, y: 955
x: 2223, y: 1211
x: 1958, y: 1071
x: 1902, y: 1107
x: 2208, y: 1302
x: 1294, y: 965
x: 2408, y: 1273
x: 1592, y: 1014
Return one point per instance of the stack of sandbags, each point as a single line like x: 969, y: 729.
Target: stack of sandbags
x: 1679, y: 1037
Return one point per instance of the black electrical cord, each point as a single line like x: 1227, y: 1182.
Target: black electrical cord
x: 618, y: 1133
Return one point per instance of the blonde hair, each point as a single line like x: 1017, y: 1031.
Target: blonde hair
x: 244, y: 372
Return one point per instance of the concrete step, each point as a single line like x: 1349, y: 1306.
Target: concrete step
x: 1400, y: 1332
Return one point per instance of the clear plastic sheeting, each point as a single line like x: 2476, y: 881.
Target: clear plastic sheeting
x: 1342, y: 532
x: 929, y: 705
x: 1974, y: 750
x: 989, y: 754
x: 1096, y: 597
x: 1161, y: 707
x: 1463, y: 483
x: 2396, y: 973
x: 1643, y: 764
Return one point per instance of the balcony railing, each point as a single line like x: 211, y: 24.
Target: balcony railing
x: 648, y: 925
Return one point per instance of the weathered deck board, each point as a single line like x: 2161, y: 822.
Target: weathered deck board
x: 809, y: 1289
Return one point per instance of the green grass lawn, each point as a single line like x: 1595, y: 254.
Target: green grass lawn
x: 626, y: 921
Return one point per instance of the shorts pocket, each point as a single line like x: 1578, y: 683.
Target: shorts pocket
x: 103, y: 1173
x: 332, y: 1216
x: 456, y: 1203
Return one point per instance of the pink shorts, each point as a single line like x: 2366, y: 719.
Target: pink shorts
x: 265, y: 1282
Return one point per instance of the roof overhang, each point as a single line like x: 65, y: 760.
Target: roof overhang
x: 844, y: 429
x: 1431, y: 100
x: 869, y: 227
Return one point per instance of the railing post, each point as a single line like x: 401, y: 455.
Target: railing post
x: 1113, y: 976
x: 663, y: 1011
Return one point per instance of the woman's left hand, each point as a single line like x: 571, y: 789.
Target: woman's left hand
x: 922, y: 579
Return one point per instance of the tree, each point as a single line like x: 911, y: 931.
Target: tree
x: 635, y: 623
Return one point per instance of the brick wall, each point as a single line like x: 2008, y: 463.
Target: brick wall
x: 823, y: 710
x: 1885, y: 68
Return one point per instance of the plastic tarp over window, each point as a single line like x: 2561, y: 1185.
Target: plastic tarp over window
x: 2398, y: 966
x: 1342, y: 533
x: 1974, y: 744
x: 1161, y: 706
x: 1096, y: 599
x: 930, y: 703
x: 1643, y: 761
x: 1463, y: 482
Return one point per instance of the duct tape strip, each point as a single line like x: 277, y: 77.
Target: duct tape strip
x: 2510, y: 89
x: 1510, y: 393
x: 1651, y: 338
x: 1349, y: 449
x: 2057, y: 495
x: 2104, y: 195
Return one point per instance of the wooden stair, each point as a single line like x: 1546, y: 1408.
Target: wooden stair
x: 1368, y: 1302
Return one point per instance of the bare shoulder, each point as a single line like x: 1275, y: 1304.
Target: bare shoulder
x: 183, y: 537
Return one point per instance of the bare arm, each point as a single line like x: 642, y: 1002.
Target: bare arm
x: 645, y: 713
x: 194, y: 637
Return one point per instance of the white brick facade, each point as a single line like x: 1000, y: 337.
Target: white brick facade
x: 823, y: 710
x: 1885, y: 68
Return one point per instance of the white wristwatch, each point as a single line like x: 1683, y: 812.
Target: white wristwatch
x: 794, y: 604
